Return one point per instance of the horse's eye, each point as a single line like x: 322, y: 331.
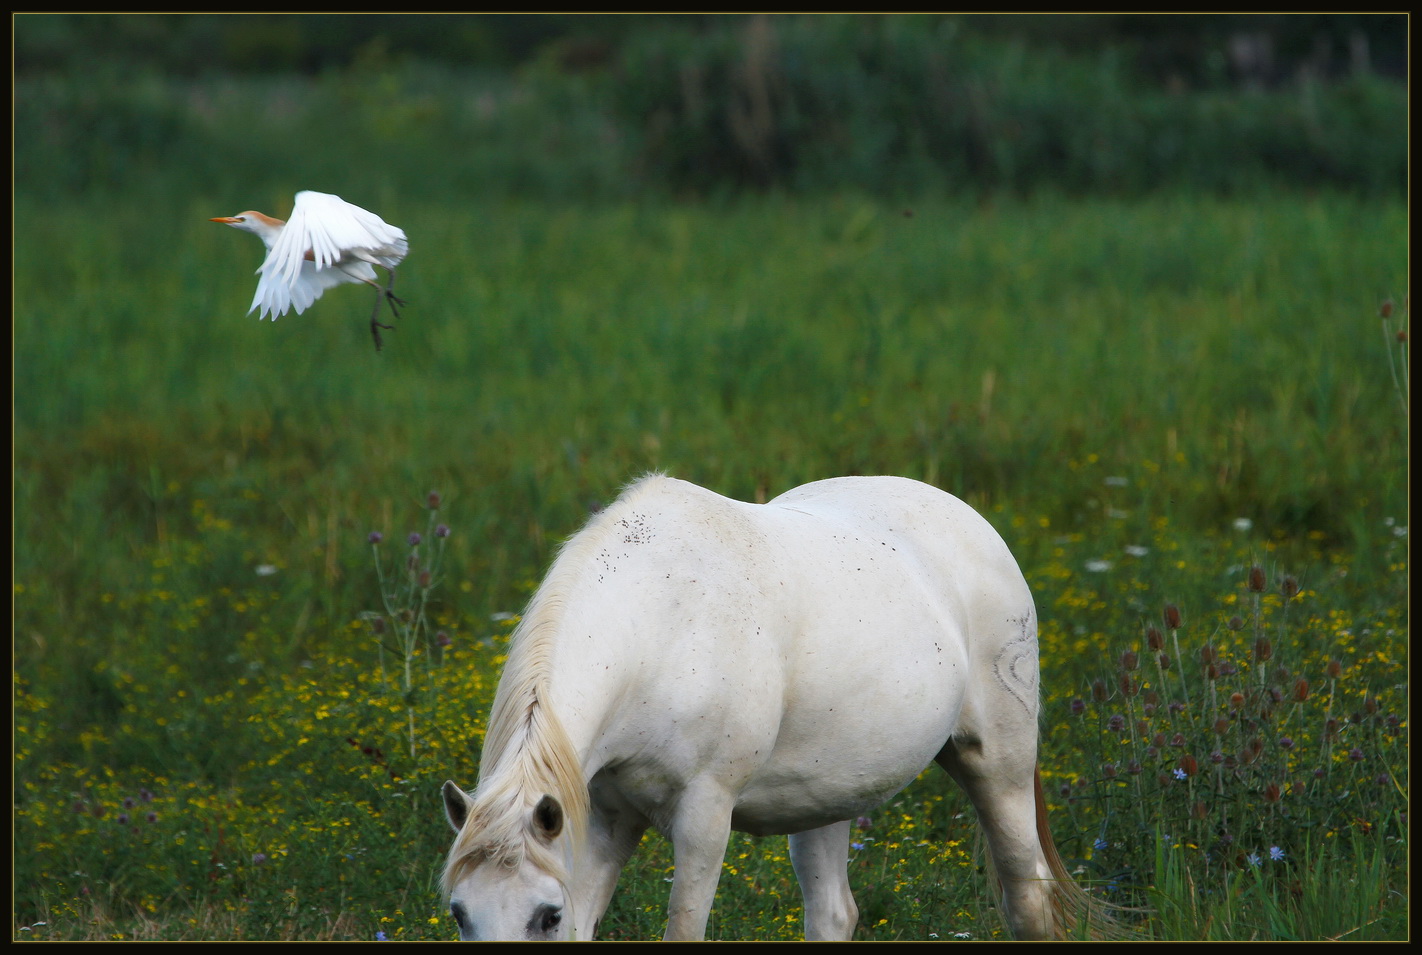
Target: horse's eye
x: 549, y: 919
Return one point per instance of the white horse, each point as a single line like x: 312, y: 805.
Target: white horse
x: 698, y: 664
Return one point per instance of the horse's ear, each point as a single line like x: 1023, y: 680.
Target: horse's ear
x: 456, y: 804
x: 548, y: 818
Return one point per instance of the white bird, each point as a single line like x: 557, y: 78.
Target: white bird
x: 326, y: 242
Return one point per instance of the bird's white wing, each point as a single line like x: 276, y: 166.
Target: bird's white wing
x: 330, y: 229
x: 276, y: 297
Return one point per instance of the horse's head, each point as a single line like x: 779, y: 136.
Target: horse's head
x: 507, y: 889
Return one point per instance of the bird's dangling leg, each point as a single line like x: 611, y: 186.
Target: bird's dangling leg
x: 384, y: 294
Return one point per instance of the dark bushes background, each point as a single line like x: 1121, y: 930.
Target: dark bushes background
x: 604, y: 106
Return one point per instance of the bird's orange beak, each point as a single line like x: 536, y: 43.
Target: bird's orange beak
x: 223, y: 219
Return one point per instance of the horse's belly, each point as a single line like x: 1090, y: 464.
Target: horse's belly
x: 840, y: 765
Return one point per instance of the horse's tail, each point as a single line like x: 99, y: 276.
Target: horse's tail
x: 1079, y: 914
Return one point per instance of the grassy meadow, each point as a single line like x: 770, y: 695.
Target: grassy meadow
x: 264, y: 576
x: 1147, y: 400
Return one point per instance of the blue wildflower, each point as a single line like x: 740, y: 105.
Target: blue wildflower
x: 1276, y: 854
x: 381, y: 937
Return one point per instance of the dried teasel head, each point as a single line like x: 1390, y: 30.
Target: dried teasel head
x: 1154, y: 640
x: 1256, y: 579
x: 1263, y: 649
x: 1172, y: 617
x: 1127, y: 685
x: 1289, y: 587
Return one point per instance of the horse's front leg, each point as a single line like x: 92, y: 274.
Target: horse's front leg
x: 821, y: 861
x: 612, y: 838
x: 699, y: 833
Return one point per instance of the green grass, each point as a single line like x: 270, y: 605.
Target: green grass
x: 1119, y: 386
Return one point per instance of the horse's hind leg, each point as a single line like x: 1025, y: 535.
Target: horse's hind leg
x: 1002, y: 789
x: 821, y: 861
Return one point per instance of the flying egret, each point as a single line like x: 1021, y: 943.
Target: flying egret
x: 326, y: 242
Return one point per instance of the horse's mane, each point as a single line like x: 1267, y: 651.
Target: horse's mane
x: 527, y: 752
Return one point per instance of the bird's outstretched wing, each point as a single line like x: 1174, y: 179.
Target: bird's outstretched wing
x: 275, y: 297
x: 322, y: 231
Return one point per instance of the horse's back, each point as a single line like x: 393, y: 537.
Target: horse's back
x: 954, y: 545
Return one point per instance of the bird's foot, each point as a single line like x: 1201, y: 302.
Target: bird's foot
x: 375, y: 328
x: 394, y: 300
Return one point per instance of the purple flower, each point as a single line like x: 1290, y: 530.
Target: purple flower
x: 259, y: 858
x: 1286, y: 742
x: 442, y: 530
x: 1117, y: 723
x: 414, y: 539
x: 375, y: 537
x: 443, y: 639
x: 122, y: 819
x: 151, y: 817
x: 1078, y: 706
x: 1355, y: 754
